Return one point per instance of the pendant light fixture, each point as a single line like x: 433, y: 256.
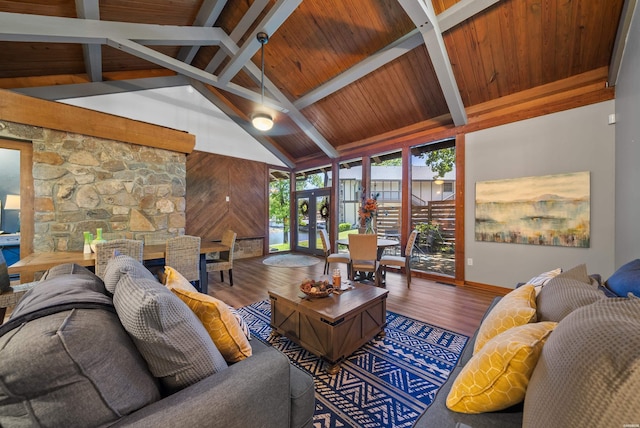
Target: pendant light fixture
x: 262, y: 121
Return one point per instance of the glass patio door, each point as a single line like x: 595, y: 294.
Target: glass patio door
x: 433, y: 207
x: 311, y: 214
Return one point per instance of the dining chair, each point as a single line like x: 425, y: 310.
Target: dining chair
x: 330, y: 257
x: 393, y: 232
x: 157, y: 238
x: 225, y: 259
x: 105, y: 251
x: 183, y: 254
x: 400, y: 261
x: 363, y: 249
x: 110, y: 236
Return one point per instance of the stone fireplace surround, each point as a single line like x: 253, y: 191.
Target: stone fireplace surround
x: 82, y: 183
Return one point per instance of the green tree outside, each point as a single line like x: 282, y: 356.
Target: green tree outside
x: 440, y: 161
x: 279, y: 201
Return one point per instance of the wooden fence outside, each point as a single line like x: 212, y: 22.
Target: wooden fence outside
x: 441, y: 213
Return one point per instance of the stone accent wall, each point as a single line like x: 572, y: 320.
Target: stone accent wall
x: 83, y: 183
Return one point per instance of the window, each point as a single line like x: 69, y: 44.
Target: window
x: 386, y: 183
x: 447, y: 187
x: 433, y: 207
x: 279, y: 210
x: 313, y: 179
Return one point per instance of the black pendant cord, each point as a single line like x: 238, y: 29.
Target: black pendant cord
x: 262, y: 75
x: 263, y: 38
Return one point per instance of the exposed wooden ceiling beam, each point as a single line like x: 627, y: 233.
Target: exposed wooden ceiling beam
x: 364, y: 67
x: 274, y: 19
x: 130, y: 38
x: 89, y: 9
x: 81, y: 90
x: 243, y: 26
x: 170, y: 63
x: 448, y: 19
x: 166, y: 61
x: 282, y: 102
x: 621, y: 41
x: 18, y: 27
x: 424, y: 18
x: 241, y: 56
x: 207, y: 16
x: 462, y: 11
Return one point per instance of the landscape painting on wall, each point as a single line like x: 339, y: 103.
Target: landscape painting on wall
x: 545, y: 210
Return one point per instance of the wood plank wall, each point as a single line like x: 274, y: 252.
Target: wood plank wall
x: 210, y: 179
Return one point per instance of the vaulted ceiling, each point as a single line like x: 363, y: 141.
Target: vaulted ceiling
x: 340, y: 75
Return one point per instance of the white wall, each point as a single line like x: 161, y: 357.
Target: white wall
x: 628, y: 150
x: 184, y: 109
x: 570, y: 141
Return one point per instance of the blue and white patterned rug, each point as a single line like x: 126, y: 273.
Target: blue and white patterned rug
x: 388, y: 382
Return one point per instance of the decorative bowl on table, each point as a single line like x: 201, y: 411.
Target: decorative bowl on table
x: 313, y: 288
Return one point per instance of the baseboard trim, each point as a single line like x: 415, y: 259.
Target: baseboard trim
x: 488, y: 287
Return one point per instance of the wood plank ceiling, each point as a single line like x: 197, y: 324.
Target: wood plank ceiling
x: 340, y: 75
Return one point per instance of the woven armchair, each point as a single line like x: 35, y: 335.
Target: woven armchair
x: 225, y: 260
x: 126, y: 247
x: 183, y: 254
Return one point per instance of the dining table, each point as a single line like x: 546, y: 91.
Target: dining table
x: 38, y: 262
x: 382, y: 244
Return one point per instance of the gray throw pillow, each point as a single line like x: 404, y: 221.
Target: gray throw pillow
x: 76, y: 368
x: 65, y: 289
x: 565, y: 293
x: 589, y: 371
x: 169, y: 336
x: 68, y: 269
x: 120, y: 265
x: 578, y: 273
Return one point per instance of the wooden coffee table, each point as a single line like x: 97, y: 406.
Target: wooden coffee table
x: 332, y: 327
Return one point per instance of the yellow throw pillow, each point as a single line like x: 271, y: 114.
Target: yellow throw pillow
x: 220, y: 323
x: 516, y: 308
x: 174, y: 279
x: 497, y: 376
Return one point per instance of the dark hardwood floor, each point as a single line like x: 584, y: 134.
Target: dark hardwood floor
x: 459, y: 309
x: 455, y: 308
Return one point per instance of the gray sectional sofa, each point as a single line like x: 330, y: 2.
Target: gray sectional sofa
x: 77, y: 354
x: 588, y: 373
